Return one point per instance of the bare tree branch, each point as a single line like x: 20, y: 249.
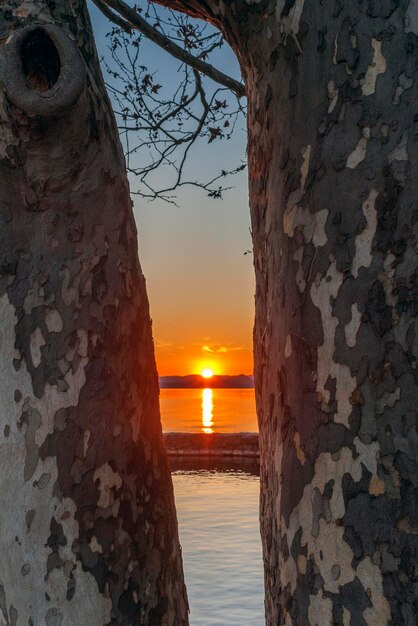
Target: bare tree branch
x: 136, y: 21
x: 160, y: 123
x: 159, y: 129
x: 113, y: 17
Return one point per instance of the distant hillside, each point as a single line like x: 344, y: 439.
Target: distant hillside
x: 195, y: 381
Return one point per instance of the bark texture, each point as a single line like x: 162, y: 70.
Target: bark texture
x: 333, y: 157
x: 88, y: 531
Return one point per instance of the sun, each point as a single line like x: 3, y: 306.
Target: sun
x: 207, y: 373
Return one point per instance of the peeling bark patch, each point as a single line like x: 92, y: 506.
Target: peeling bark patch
x: 346, y: 617
x: 36, y: 294
x: 299, y: 451
x: 302, y: 225
x: 302, y: 563
x: 320, y: 609
x: 322, y: 291
x: 95, y: 546
x: 25, y: 570
x: 36, y: 342
x: 43, y: 481
x: 346, y: 46
x: 28, y: 8
x: 3, y: 603
x: 289, y: 15
x: 379, y: 613
x: 400, y: 152
x: 411, y: 18
x: 300, y: 277
x: 54, y: 617
x: 288, y: 347
x: 387, y: 399
x: 376, y: 486
x: 7, y: 138
x: 53, y: 321
x: 317, y: 516
x: 108, y: 480
x: 311, y: 224
x: 306, y: 154
x: 13, y: 615
x: 404, y: 83
x: 359, y: 153
x: 363, y: 242
x: 377, y: 67
x: 86, y: 438
x: 32, y: 513
x: 332, y: 96
x: 29, y: 518
x: 352, y: 328
x: 405, y: 526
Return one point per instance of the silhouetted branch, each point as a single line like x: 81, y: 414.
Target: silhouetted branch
x: 134, y: 20
x: 159, y: 128
x: 113, y: 17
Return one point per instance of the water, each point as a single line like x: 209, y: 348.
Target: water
x: 217, y: 508
x: 219, y: 533
x: 208, y: 410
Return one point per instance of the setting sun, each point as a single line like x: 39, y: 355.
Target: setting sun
x: 207, y: 373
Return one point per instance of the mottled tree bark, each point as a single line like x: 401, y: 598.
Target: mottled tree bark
x: 333, y: 158
x: 88, y: 531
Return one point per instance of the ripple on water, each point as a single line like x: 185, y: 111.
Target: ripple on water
x: 219, y: 533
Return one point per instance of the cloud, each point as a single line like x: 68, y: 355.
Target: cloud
x: 162, y: 346
x: 217, y: 348
x: 158, y: 343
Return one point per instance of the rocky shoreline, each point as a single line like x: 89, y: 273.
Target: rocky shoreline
x: 224, y: 445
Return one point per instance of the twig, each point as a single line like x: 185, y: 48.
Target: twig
x: 134, y: 20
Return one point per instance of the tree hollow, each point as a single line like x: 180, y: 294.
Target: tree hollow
x: 42, y: 71
x: 41, y: 62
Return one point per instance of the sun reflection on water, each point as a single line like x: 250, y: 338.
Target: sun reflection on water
x: 207, y: 411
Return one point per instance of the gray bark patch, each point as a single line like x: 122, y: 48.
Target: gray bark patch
x: 54, y: 617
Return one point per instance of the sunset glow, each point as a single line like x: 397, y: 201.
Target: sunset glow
x: 184, y: 353
x: 200, y: 283
x: 207, y: 373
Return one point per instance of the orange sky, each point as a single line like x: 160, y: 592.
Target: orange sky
x: 200, y: 283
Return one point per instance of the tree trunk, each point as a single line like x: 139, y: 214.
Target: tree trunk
x: 333, y: 157
x: 88, y: 530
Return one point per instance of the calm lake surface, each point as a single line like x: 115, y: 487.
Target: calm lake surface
x: 217, y: 508
x: 219, y: 533
x: 208, y: 410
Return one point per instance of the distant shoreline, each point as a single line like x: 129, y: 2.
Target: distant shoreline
x: 195, y: 381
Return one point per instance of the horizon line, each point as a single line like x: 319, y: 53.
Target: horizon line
x: 197, y: 374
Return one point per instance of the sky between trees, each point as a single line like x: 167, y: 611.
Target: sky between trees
x: 200, y: 282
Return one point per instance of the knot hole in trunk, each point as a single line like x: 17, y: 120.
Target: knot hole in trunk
x: 42, y: 70
x: 40, y: 60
